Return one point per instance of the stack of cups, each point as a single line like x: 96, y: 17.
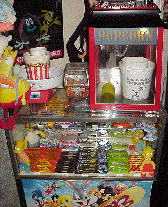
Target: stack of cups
x: 37, y: 62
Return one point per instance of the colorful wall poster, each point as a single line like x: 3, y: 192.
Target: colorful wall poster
x: 38, y: 24
x: 86, y: 193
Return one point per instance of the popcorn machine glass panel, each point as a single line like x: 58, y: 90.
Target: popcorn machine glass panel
x: 125, y: 68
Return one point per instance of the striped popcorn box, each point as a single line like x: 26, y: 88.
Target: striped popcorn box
x: 38, y: 71
x: 37, y: 66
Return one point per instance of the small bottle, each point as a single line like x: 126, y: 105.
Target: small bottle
x: 108, y: 93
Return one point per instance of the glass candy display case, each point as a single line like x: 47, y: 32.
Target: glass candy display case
x: 76, y: 80
x: 113, y: 157
x: 94, y: 145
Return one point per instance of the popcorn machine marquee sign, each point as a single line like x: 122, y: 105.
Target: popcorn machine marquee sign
x: 122, y: 36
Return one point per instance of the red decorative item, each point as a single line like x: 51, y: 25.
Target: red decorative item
x: 43, y: 159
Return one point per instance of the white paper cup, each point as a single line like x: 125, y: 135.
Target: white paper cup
x: 37, y: 67
x: 38, y: 51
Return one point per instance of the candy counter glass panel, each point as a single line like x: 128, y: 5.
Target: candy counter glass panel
x: 125, y: 68
x: 94, y: 147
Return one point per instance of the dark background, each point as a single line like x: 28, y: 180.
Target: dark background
x: 159, y: 196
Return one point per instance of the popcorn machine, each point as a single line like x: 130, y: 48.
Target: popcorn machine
x: 126, y: 49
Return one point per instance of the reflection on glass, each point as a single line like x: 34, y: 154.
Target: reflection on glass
x: 125, y: 73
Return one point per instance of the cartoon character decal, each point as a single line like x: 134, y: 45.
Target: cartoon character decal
x: 64, y: 201
x: 51, y: 187
x: 119, y: 188
x: 29, y: 32
x: 37, y: 196
x: 103, y: 193
x: 34, y: 32
x: 87, y: 193
x: 127, y: 198
x: 47, y: 23
x: 81, y: 197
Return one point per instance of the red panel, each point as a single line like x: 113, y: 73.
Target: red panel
x: 92, y: 65
x: 45, y: 96
x: 159, y: 57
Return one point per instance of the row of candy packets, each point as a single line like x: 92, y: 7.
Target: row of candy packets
x: 120, y: 146
x: 69, y: 137
x: 87, y: 160
x: 68, y: 142
x: 65, y: 138
x: 56, y: 105
x: 87, y: 155
x: 118, y: 161
x: 43, y: 160
x: 40, y: 125
x: 135, y: 161
x: 68, y: 145
x: 51, y: 139
x: 103, y: 147
x: 78, y: 104
x: 67, y: 163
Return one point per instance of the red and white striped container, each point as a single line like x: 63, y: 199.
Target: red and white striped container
x: 38, y: 71
x: 37, y: 65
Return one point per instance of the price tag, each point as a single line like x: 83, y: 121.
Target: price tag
x: 137, y: 175
x: 38, y: 173
x: 84, y: 175
x: 64, y: 174
x: 102, y: 175
x: 119, y: 175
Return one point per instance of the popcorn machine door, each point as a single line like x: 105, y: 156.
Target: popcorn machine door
x: 125, y: 68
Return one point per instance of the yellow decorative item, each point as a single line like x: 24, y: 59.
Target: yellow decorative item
x: 108, y: 93
x: 137, y: 136
x: 19, y: 149
x: 22, y: 156
x: 13, y: 89
x: 148, y: 166
x: 7, y: 60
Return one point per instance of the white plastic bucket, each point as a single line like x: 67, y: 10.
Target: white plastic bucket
x: 136, y: 76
